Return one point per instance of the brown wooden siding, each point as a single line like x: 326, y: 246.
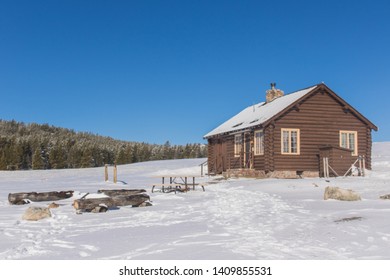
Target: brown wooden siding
x: 269, y: 148
x: 210, y: 156
x: 259, y: 162
x: 233, y: 162
x: 339, y: 159
x: 221, y: 154
x: 320, y: 119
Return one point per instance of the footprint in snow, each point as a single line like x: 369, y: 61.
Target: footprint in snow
x: 84, y: 254
x: 6, y: 233
x: 90, y: 248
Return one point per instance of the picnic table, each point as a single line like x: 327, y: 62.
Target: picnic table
x: 177, y: 183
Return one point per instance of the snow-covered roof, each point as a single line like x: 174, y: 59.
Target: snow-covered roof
x: 259, y: 113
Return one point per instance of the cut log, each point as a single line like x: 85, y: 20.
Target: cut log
x: 21, y: 198
x: 89, y: 204
x: 112, y: 193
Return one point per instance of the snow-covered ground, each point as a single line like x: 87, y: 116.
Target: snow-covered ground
x: 232, y: 219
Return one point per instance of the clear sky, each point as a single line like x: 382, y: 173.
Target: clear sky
x: 173, y: 70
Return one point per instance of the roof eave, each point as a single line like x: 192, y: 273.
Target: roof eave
x: 231, y: 132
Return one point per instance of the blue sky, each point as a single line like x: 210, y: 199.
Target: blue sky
x: 154, y: 71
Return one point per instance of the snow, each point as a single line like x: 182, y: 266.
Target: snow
x: 258, y: 113
x: 233, y: 219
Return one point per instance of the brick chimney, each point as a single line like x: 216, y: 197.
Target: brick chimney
x: 273, y: 93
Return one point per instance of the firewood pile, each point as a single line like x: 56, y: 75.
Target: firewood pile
x: 113, y: 199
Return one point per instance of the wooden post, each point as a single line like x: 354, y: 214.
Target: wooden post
x: 115, y: 174
x: 334, y: 172
x: 353, y: 165
x: 324, y: 166
x: 106, y: 172
x: 364, y: 167
x: 327, y: 167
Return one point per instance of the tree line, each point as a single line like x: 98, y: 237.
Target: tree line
x: 42, y: 146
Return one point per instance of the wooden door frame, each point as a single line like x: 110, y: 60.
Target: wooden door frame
x: 220, y: 156
x: 248, y: 153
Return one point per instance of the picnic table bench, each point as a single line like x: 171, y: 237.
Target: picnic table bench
x: 177, y: 183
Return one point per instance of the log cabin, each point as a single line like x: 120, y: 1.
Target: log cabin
x: 292, y: 135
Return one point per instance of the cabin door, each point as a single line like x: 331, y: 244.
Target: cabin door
x: 220, y: 156
x: 247, y: 151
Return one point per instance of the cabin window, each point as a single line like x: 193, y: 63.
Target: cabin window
x: 237, y: 145
x: 259, y: 142
x: 348, y: 139
x: 290, y: 141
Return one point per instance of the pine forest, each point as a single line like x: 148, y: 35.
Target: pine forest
x: 42, y: 146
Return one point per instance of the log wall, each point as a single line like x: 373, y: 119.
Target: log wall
x: 320, y: 119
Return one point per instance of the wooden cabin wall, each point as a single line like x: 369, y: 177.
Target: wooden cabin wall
x: 259, y: 162
x: 221, y: 154
x: 320, y: 119
x: 339, y: 159
x: 232, y: 161
x: 265, y: 162
x: 211, y: 156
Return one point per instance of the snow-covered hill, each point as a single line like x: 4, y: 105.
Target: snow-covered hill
x: 233, y: 219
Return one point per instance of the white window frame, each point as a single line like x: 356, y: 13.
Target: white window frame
x: 347, y: 145
x: 237, y: 145
x: 289, y: 141
x: 259, y: 142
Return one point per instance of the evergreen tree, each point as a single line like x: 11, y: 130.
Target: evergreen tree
x: 26, y: 146
x: 38, y: 160
x: 121, y: 157
x: 87, y: 158
x: 57, y: 157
